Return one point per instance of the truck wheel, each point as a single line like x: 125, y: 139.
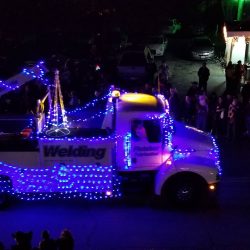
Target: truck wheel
x: 185, y: 192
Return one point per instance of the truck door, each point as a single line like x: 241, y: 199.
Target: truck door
x: 146, y: 144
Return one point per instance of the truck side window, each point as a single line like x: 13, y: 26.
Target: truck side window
x: 149, y: 130
x: 138, y: 131
x: 153, y: 130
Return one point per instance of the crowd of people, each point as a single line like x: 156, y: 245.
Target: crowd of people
x: 23, y: 241
x: 226, y: 115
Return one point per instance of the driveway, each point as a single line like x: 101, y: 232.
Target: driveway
x: 183, y: 71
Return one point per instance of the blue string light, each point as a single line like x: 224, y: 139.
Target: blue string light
x: 38, y: 71
x: 61, y: 181
x: 90, y: 104
x: 98, y: 115
x: 127, y: 150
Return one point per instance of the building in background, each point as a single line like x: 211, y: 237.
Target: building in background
x: 237, y: 37
x: 237, y: 30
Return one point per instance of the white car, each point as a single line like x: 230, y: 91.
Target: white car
x: 132, y: 65
x: 157, y: 45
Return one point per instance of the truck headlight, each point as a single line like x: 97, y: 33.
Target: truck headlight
x: 211, y: 187
x: 169, y: 161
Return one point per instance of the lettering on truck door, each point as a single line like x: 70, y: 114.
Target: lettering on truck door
x: 146, y: 144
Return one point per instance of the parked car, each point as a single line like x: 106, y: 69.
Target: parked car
x: 172, y: 27
x: 201, y: 48
x: 132, y: 65
x: 157, y: 44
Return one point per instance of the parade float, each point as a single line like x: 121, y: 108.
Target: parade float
x: 97, y: 153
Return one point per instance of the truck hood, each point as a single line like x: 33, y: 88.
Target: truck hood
x: 190, y: 138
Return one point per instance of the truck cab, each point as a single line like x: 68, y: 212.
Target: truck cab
x: 180, y: 162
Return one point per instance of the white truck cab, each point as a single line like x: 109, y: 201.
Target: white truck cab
x: 134, y: 143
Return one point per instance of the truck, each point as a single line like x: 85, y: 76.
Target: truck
x: 118, y: 144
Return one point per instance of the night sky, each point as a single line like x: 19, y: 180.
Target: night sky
x: 29, y: 16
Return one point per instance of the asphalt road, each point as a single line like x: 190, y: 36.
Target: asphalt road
x: 183, y: 71
x: 139, y: 224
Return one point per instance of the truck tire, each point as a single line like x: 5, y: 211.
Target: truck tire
x: 185, y: 191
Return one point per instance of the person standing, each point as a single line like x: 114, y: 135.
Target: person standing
x: 203, y: 74
x: 245, y: 93
x: 148, y: 54
x: 220, y: 118
x: 202, y: 113
x: 189, y: 110
x: 66, y: 241
x: 247, y: 119
x: 239, y: 74
x: 174, y: 104
x: 47, y: 243
x: 232, y: 119
x: 229, y: 74
x: 163, y: 72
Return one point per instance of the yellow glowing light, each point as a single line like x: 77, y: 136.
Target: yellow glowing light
x: 169, y: 162
x: 212, y: 187
x: 138, y: 98
x: 116, y: 93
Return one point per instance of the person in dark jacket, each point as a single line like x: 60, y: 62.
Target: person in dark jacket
x: 23, y: 241
x: 47, y: 243
x: 174, y: 104
x: 245, y: 93
x: 239, y: 74
x: 230, y: 77
x: 66, y: 241
x: 203, y: 74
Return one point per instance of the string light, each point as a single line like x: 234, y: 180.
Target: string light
x: 127, y: 150
x: 98, y: 115
x: 90, y: 104
x: 213, y: 153
x: 61, y: 181
x: 38, y: 71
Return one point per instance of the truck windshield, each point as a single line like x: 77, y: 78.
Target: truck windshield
x: 151, y: 129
